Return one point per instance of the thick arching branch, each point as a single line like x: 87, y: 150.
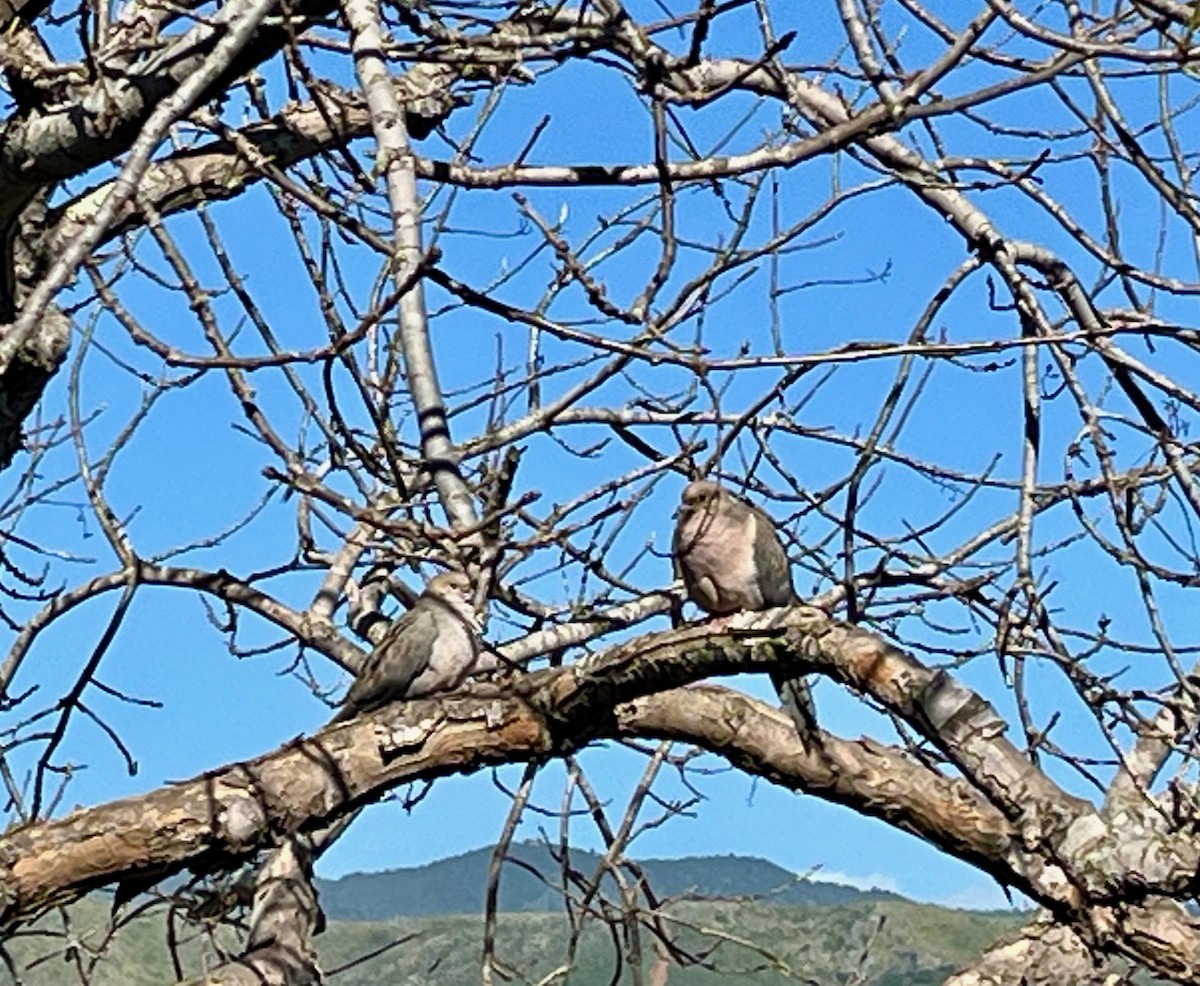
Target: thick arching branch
x: 313, y: 781
x: 233, y: 812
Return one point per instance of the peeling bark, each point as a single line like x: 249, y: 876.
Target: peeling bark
x: 279, y: 949
x: 216, y: 819
x: 1044, y: 953
x: 26, y: 376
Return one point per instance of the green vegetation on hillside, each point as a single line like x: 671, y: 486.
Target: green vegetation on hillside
x: 888, y: 942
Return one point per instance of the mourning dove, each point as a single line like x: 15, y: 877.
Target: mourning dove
x: 731, y: 558
x: 431, y: 648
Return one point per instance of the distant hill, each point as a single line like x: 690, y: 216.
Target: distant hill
x: 423, y: 927
x: 762, y: 927
x: 870, y: 942
x: 457, y: 885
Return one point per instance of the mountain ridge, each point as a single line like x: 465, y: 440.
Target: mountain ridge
x: 457, y: 884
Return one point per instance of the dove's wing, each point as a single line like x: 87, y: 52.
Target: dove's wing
x: 402, y: 654
x: 774, y: 571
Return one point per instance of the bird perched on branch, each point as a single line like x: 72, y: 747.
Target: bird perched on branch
x: 431, y: 648
x: 731, y: 558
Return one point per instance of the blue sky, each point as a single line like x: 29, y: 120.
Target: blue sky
x: 188, y: 472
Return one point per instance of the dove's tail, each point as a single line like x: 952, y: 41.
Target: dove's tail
x: 797, y: 700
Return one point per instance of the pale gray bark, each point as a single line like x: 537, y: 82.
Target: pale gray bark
x: 396, y: 161
x: 279, y: 949
x: 1042, y: 954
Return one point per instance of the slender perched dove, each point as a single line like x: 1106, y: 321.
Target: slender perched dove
x: 431, y: 648
x: 731, y: 558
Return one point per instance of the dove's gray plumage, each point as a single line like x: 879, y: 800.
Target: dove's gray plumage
x: 729, y: 552
x: 431, y: 648
x: 731, y: 558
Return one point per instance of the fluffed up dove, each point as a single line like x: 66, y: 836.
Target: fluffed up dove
x: 431, y: 648
x: 731, y: 558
